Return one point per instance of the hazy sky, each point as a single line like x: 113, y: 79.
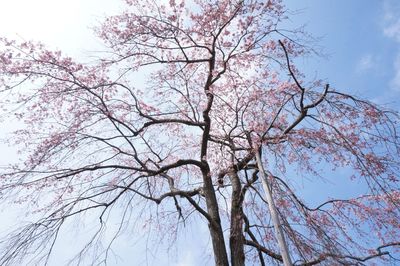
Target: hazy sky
x: 66, y: 25
x: 360, y: 37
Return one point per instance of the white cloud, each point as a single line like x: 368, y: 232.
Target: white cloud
x: 391, y: 29
x: 395, y: 82
x: 367, y: 62
x: 391, y: 10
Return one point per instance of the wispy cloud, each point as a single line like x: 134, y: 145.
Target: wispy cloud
x: 367, y: 62
x: 395, y: 82
x: 391, y: 29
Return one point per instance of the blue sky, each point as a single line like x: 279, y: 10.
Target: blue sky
x: 360, y: 37
x: 362, y: 40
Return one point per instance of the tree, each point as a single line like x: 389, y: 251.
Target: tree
x: 222, y: 87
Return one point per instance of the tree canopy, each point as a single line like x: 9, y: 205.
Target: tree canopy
x: 165, y: 126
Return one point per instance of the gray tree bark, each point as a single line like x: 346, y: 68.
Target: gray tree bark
x: 274, y: 214
x: 236, y: 239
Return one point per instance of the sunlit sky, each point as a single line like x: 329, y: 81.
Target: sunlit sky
x: 361, y: 39
x: 65, y: 25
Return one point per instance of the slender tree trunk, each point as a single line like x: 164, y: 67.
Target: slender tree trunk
x: 236, y: 240
x: 217, y: 235
x: 274, y: 214
x: 220, y: 254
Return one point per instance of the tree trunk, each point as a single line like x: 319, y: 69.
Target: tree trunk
x: 236, y: 240
x: 274, y: 214
x: 217, y: 235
